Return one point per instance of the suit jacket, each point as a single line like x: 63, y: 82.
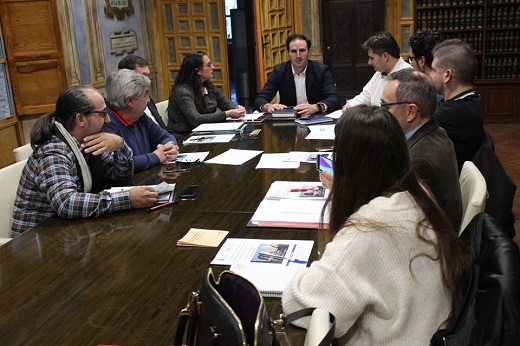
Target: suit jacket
x: 501, y: 188
x: 434, y: 160
x: 153, y: 109
x: 319, y: 85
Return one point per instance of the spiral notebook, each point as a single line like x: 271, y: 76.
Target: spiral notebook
x: 269, y: 279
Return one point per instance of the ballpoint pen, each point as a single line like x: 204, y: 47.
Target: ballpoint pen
x: 161, y: 205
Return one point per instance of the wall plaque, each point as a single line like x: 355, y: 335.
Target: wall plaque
x: 121, y: 42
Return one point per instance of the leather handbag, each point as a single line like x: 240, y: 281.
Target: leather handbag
x: 231, y: 311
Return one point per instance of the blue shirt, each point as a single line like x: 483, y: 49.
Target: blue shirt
x: 143, y: 136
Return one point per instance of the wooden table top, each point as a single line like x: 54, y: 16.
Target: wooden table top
x: 120, y: 278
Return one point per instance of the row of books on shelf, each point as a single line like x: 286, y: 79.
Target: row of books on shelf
x: 503, y: 16
x: 503, y: 41
x: 437, y: 3
x: 429, y: 3
x: 502, y: 68
x: 469, y: 18
x: 474, y: 39
x: 454, y: 19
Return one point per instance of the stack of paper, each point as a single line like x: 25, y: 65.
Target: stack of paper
x: 268, y: 263
x: 291, y: 204
x: 198, y: 237
x: 165, y: 191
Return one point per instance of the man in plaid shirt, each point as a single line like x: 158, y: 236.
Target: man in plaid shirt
x: 71, y: 157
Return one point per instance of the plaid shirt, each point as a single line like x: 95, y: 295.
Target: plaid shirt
x: 50, y: 185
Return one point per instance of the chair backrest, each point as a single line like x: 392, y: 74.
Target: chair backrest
x: 501, y: 189
x: 23, y: 152
x: 473, y: 191
x: 491, y: 311
x: 10, y: 177
x: 162, y: 108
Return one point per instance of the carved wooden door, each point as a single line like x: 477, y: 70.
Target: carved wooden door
x: 273, y: 24
x: 186, y: 26
x: 34, y: 54
x: 346, y: 24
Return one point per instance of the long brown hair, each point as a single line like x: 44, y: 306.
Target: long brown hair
x: 371, y: 159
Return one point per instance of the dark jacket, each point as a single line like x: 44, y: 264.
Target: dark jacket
x: 501, y: 189
x: 491, y: 311
x: 434, y: 160
x: 319, y: 85
x: 462, y: 118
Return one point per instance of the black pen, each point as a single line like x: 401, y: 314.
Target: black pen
x: 161, y: 205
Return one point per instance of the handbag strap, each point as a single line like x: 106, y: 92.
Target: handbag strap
x: 328, y: 338
x: 188, y: 313
x: 184, y: 318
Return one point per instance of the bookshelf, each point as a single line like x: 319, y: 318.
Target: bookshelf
x: 492, y: 27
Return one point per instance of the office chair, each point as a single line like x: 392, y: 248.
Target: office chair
x: 473, y: 191
x: 10, y: 177
x: 23, y: 152
x: 162, y: 108
x: 491, y: 310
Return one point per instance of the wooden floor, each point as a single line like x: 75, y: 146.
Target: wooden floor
x: 507, y: 147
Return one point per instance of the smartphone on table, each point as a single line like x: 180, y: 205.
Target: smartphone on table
x: 189, y: 192
x: 324, y: 164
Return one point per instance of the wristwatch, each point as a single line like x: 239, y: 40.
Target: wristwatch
x: 321, y: 107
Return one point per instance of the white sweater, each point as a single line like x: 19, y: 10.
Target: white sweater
x: 372, y: 91
x: 364, y: 279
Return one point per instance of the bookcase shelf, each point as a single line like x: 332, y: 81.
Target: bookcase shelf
x: 492, y: 28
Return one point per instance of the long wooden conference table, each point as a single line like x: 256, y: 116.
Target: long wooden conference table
x: 121, y: 279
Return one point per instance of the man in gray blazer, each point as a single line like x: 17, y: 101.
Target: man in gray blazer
x: 410, y: 97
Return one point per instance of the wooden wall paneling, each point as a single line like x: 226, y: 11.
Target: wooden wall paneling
x: 274, y: 22
x: 35, y: 60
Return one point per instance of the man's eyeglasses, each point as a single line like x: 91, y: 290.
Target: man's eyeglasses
x: 209, y: 64
x: 411, y: 58
x: 102, y: 113
x: 388, y: 105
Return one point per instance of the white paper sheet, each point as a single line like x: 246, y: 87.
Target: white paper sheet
x: 247, y: 117
x: 264, y: 251
x: 209, y: 139
x: 225, y: 126
x: 277, y: 161
x: 304, y: 156
x: 321, y: 132
x: 234, y: 157
x: 335, y: 115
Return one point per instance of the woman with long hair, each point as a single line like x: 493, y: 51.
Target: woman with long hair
x: 194, y: 99
x: 395, y: 270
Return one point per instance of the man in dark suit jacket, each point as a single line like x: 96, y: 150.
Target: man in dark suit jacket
x: 411, y: 98
x: 304, y: 84
x: 136, y: 63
